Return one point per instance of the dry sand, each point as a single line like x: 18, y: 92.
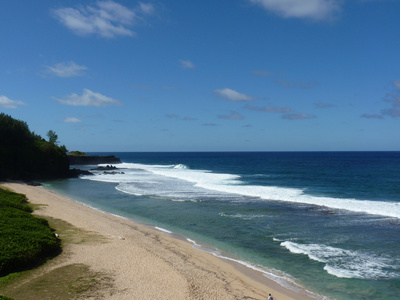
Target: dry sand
x: 147, y: 264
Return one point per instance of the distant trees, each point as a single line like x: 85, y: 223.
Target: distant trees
x: 26, y: 155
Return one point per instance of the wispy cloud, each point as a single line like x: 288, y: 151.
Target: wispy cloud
x: 371, y: 116
x: 72, y: 120
x: 304, y: 9
x: 8, y: 103
x: 280, y: 79
x: 233, y: 116
x: 394, y: 100
x: 105, y: 18
x: 177, y: 117
x: 187, y: 64
x: 146, y: 8
x: 269, y: 109
x: 66, y: 69
x: 298, y: 116
x: 189, y: 119
x: 88, y: 98
x: 172, y: 116
x: 233, y: 95
x: 324, y: 105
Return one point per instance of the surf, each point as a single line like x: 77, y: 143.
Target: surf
x: 178, y: 180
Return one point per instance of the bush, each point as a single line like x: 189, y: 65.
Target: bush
x: 11, y: 199
x: 25, y: 240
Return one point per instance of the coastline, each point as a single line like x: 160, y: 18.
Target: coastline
x: 146, y: 263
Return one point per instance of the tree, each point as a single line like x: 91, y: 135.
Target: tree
x: 26, y: 155
x: 53, y: 137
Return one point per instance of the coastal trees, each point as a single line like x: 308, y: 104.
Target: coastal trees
x: 53, y: 137
x: 26, y: 155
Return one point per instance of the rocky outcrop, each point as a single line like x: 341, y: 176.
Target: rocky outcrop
x: 92, y: 159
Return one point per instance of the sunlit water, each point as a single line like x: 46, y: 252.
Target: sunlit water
x: 329, y: 221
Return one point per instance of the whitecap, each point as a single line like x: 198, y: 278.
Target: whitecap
x: 204, y: 182
x: 345, y: 263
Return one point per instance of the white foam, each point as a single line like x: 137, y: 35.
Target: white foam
x: 173, y: 181
x: 345, y: 263
x: 163, y: 230
x: 240, y: 216
x: 180, y: 166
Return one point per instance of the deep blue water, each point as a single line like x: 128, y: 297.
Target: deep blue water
x: 329, y: 221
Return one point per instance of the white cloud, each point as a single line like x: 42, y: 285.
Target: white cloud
x: 307, y: 9
x: 187, y: 64
x: 233, y: 95
x: 72, y: 120
x: 66, y: 69
x: 146, y: 8
x: 106, y: 18
x: 88, y: 98
x: 8, y: 103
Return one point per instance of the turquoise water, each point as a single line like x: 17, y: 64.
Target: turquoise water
x: 329, y: 221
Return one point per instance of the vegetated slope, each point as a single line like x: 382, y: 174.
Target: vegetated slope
x: 26, y: 155
x: 25, y: 240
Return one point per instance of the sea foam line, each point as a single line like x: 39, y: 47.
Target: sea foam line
x: 344, y: 263
x: 231, y: 184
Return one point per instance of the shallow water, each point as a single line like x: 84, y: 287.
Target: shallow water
x: 327, y: 220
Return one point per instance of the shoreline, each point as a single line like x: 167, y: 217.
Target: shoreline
x: 147, y: 263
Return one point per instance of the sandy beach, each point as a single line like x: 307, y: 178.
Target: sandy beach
x: 145, y: 263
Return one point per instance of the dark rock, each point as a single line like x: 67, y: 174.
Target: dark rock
x: 113, y: 173
x: 106, y: 168
x: 92, y: 159
x: 77, y: 172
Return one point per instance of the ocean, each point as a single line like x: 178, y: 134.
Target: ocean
x: 325, y: 221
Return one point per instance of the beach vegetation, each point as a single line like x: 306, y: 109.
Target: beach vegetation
x: 55, y: 280
x: 73, y: 281
x: 25, y: 240
x: 26, y: 155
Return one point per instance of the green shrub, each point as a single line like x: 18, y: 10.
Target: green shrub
x: 25, y: 240
x: 77, y: 153
x: 11, y: 199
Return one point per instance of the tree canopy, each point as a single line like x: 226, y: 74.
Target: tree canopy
x: 26, y: 155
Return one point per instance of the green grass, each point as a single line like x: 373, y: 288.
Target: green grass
x: 75, y: 281
x: 25, y: 240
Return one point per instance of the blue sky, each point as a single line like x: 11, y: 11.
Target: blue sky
x: 238, y: 75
